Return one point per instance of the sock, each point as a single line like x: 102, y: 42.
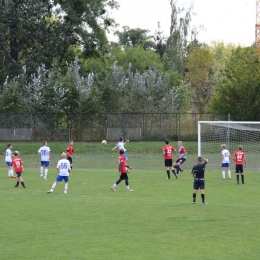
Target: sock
x: 41, y: 170
x: 177, y: 167
x: 17, y: 184
x: 53, y: 186
x: 229, y: 174
x: 237, y: 178
x: 23, y: 184
x: 223, y: 174
x: 203, y: 197
x: 11, y: 172
x: 173, y: 171
x: 66, y: 186
x: 45, y: 172
x: 194, y: 197
x: 168, y: 174
x: 127, y: 186
x: 242, y: 177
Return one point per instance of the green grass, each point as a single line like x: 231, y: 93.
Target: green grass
x: 156, y: 221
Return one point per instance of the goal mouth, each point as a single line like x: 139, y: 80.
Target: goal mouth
x: 211, y: 134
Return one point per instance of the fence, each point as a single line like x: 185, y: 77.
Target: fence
x: 98, y: 126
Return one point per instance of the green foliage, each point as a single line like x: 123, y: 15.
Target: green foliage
x: 238, y: 91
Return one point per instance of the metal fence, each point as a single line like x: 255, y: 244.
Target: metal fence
x: 99, y: 126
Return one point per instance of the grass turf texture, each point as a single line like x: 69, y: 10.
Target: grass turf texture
x: 156, y: 221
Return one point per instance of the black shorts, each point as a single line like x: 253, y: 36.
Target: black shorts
x: 181, y: 160
x: 123, y: 176
x: 168, y: 162
x: 69, y: 159
x: 19, y: 174
x: 199, y: 184
x: 239, y: 169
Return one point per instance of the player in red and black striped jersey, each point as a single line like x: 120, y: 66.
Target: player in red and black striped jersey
x: 167, y: 154
x: 17, y: 163
x: 240, y: 159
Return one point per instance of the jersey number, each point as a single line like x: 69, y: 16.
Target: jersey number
x: 63, y: 166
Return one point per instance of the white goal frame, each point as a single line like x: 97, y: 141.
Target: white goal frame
x: 243, y: 127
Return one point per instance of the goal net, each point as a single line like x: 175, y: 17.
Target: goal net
x: 211, y: 134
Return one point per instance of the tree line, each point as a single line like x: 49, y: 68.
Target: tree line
x: 56, y: 57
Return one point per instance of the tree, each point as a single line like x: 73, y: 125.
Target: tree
x: 238, y: 92
x: 201, y: 76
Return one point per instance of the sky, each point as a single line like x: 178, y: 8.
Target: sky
x: 230, y: 21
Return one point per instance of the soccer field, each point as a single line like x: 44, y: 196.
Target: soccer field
x: 156, y: 221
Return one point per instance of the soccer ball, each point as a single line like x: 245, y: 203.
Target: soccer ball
x: 104, y: 142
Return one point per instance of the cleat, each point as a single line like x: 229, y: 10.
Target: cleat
x: 24, y: 186
x: 181, y: 170
x: 113, y: 188
x: 13, y: 176
x: 168, y: 178
x: 16, y: 186
x: 223, y: 179
x: 204, y: 203
x: 45, y: 178
x: 129, y: 190
x: 65, y: 191
x: 9, y: 177
x: 194, y: 202
x: 229, y: 178
x: 50, y: 191
x: 41, y: 176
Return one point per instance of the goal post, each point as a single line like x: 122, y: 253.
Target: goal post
x: 211, y: 134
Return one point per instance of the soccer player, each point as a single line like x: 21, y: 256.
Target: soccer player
x: 122, y: 169
x: 181, y: 158
x: 240, y: 159
x: 121, y: 145
x: 45, y: 154
x: 8, y: 160
x: 63, y: 168
x: 225, y: 162
x: 198, y: 172
x: 70, y: 151
x: 17, y: 163
x: 167, y: 154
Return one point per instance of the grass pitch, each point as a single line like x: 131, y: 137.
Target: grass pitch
x: 156, y: 221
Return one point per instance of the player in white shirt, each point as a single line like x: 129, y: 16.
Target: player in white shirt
x: 8, y: 160
x: 121, y: 145
x: 63, y: 168
x: 225, y: 162
x: 45, y: 154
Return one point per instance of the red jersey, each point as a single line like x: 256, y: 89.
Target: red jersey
x: 239, y: 157
x: 122, y: 161
x: 70, y: 150
x: 167, y: 151
x: 17, y: 164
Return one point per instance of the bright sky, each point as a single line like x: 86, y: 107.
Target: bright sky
x: 230, y: 21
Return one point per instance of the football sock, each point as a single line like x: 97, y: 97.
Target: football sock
x: 168, y: 174
x: 9, y: 173
x: 203, y: 197
x: 194, y: 197
x: 17, y: 184
x: 223, y: 174
x: 41, y: 170
x: 53, y: 185
x: 23, y: 184
x: 127, y: 186
x: 12, y: 172
x: 237, y: 178
x: 66, y: 186
x: 173, y: 171
x: 45, y: 172
x: 242, y: 177
x: 177, y: 167
x: 229, y: 174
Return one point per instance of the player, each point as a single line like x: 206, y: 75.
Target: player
x: 181, y: 158
x: 198, y: 172
x: 63, y: 168
x: 17, y: 163
x: 240, y: 159
x: 70, y: 151
x: 167, y: 154
x: 121, y: 145
x: 225, y: 155
x: 45, y: 154
x: 122, y: 169
x: 8, y: 160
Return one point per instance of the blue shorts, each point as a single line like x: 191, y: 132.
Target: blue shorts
x: 225, y: 165
x: 9, y: 163
x: 45, y: 163
x: 125, y: 156
x: 61, y: 178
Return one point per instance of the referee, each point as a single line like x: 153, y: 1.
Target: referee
x: 198, y: 172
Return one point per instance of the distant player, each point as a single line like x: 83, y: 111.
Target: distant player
x: 122, y: 169
x: 63, y: 168
x: 121, y: 145
x: 198, y: 172
x: 240, y: 160
x: 44, y: 153
x: 225, y: 155
x: 17, y: 163
x: 181, y: 158
x: 167, y: 154
x: 70, y: 151
x: 8, y: 160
